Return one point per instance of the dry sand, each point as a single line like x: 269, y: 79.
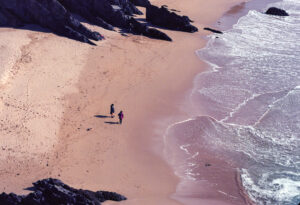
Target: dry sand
x: 56, y: 92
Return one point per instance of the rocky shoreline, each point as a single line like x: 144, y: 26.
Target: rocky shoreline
x: 53, y: 191
x: 56, y: 15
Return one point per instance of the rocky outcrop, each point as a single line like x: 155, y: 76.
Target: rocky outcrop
x: 276, y: 11
x: 164, y: 18
x: 213, y: 30
x: 108, y: 15
x: 53, y: 191
x: 46, y: 13
x: 56, y: 15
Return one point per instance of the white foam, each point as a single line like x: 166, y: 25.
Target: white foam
x: 238, y: 107
x: 258, y: 58
x: 226, y: 194
x: 288, y: 189
x: 254, y: 68
x: 184, y: 148
x: 280, y: 189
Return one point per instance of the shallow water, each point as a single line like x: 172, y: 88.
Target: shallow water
x: 250, y: 107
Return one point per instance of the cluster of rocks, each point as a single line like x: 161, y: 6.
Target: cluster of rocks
x: 56, y: 15
x: 53, y: 191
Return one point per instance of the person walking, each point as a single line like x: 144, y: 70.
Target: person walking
x: 112, y: 110
x: 121, y: 116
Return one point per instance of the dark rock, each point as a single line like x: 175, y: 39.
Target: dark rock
x: 46, y: 13
x: 10, y: 199
x: 8, y: 19
x: 109, y: 196
x: 276, y: 11
x: 139, y: 28
x: 53, y: 191
x: 127, y: 6
x: 88, y: 11
x: 154, y: 33
x: 213, y: 30
x: 164, y: 18
x: 104, y: 13
x: 55, y: 15
x: 98, y: 9
x: 34, y: 198
x: 112, y: 15
x: 143, y: 3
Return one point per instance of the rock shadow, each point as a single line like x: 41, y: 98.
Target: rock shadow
x: 30, y: 189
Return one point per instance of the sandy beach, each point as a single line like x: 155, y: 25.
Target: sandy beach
x: 55, y: 98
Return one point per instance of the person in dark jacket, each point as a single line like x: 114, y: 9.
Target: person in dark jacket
x: 112, y: 110
x: 121, y: 116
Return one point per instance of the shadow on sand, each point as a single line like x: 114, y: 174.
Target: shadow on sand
x: 30, y: 189
x: 112, y: 123
x: 102, y: 116
x: 107, y: 122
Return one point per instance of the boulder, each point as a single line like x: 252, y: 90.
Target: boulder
x: 276, y: 11
x: 139, y: 28
x: 53, y: 191
x: 164, y: 18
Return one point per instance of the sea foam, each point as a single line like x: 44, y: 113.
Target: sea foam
x: 251, y: 98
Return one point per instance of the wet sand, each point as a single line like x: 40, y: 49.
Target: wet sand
x: 208, y: 177
x: 54, y: 108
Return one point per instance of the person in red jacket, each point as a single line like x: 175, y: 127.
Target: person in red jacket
x: 121, y: 116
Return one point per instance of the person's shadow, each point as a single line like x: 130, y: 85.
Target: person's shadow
x: 106, y: 116
x: 112, y: 123
x: 102, y: 116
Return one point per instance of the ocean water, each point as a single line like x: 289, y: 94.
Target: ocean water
x: 250, y: 107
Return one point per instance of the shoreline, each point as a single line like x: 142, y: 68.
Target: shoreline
x: 225, y: 23
x: 241, y: 53
x: 242, y: 189
x: 118, y: 168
